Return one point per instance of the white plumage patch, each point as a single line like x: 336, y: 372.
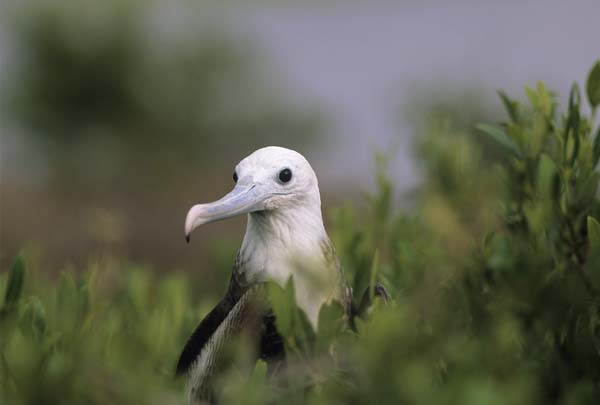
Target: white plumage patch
x: 287, y: 238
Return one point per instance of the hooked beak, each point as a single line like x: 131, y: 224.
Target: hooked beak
x: 245, y: 197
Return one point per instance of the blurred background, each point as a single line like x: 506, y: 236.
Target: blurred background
x: 117, y: 116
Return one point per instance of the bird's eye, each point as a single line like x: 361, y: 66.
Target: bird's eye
x: 285, y: 175
x: 235, y: 178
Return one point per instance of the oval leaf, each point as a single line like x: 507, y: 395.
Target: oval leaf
x: 596, y: 148
x: 499, y: 136
x: 593, y: 233
x: 15, y: 282
x: 511, y: 106
x: 593, y: 85
x: 574, y: 100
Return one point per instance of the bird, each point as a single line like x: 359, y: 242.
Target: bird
x: 285, y: 239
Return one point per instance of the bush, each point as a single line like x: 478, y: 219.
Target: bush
x: 495, y: 279
x: 496, y: 276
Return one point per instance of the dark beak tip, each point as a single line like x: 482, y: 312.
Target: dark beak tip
x: 187, y: 238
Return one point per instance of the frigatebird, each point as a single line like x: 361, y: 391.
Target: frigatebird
x: 285, y: 237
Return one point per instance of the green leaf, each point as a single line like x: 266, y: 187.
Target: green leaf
x: 571, y: 133
x: 574, y: 99
x: 283, y: 303
x: 596, y: 148
x: 15, y: 282
x: 499, y: 136
x: 545, y: 100
x: 593, y: 85
x: 374, y: 271
x: 575, y: 151
x: 531, y: 96
x: 593, y: 233
x: 547, y: 177
x: 34, y: 316
x: 259, y: 374
x: 511, y: 106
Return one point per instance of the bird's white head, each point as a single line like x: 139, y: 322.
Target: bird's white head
x: 279, y: 190
x: 270, y: 179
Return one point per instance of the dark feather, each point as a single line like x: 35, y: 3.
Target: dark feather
x: 207, y: 327
x: 271, y: 342
x: 366, y: 302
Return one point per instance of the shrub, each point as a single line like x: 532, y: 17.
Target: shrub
x: 495, y: 278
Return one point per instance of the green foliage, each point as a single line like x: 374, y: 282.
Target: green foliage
x: 102, y: 337
x: 494, y: 277
x: 112, y: 75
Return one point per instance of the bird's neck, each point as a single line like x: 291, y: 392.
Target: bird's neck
x: 289, y: 242
x: 284, y: 232
x: 287, y: 224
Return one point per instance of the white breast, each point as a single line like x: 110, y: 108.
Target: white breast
x: 280, y: 245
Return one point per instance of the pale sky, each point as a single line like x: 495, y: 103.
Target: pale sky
x: 359, y: 60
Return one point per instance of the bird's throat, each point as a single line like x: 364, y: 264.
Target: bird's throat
x: 279, y: 244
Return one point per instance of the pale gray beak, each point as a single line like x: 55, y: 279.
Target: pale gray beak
x: 245, y: 197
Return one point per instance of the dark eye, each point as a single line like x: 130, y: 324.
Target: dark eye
x: 285, y: 175
x: 235, y: 177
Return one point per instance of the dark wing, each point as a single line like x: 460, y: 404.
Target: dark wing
x: 270, y: 345
x: 203, y: 332
x: 208, y: 326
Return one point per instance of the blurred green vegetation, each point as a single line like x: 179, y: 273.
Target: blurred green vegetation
x: 495, y: 278
x: 138, y: 74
